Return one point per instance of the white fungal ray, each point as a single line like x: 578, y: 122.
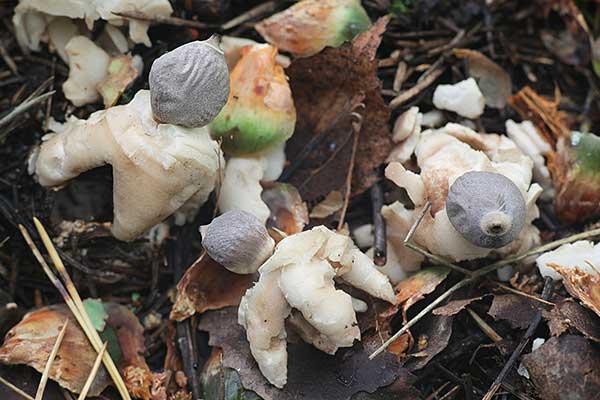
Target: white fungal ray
x: 305, y: 265
x: 157, y: 168
x: 262, y: 312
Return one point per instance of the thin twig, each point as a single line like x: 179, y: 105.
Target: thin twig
x: 484, y: 326
x: 93, y: 372
x: 520, y: 293
x: 417, y: 88
x: 248, y: 15
x: 356, y: 127
x: 478, y: 274
x: 24, y: 106
x: 15, y: 389
x: 159, y: 19
x: 546, y: 293
x: 379, y: 228
x: 44, y: 379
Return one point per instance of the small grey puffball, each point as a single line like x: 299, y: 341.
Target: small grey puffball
x: 190, y: 84
x: 238, y: 241
x: 486, y: 208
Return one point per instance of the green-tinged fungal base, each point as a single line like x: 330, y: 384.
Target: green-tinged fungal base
x: 246, y: 131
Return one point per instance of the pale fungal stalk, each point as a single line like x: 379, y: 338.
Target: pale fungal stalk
x: 302, y: 271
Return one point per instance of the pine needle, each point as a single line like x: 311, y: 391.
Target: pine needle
x: 93, y: 372
x: 15, y: 389
x: 40, y: 390
x: 76, y: 308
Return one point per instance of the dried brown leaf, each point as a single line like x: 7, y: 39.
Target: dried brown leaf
x: 565, y: 367
x: 312, y: 374
x: 32, y: 339
x: 514, y: 309
x: 432, y: 335
x: 494, y: 82
x: 206, y: 285
x: 581, y: 285
x: 455, y: 306
x: 568, y: 314
x: 410, y: 291
x: 327, y: 87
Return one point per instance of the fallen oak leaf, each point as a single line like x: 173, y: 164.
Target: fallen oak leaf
x: 327, y: 88
x: 207, y: 285
x: 312, y: 375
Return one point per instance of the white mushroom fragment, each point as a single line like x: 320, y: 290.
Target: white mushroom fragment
x: 238, y: 241
x: 32, y: 17
x: 262, y: 312
x: 157, y: 168
x: 302, y: 269
x: 463, y: 98
x: 88, y: 66
x: 583, y: 255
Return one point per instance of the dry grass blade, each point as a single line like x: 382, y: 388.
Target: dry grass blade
x: 356, y: 126
x: 24, y: 106
x: 82, y: 318
x: 15, y: 389
x: 480, y: 273
x: 42, y: 386
x: 93, y: 372
x: 484, y: 326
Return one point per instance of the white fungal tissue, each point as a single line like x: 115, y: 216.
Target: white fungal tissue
x: 583, y: 255
x: 33, y: 19
x: 443, y: 155
x: 463, y: 98
x: 158, y: 169
x: 300, y: 276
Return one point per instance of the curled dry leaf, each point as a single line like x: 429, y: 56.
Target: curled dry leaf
x: 432, y: 335
x: 566, y: 364
x: 288, y: 212
x: 514, y: 309
x: 493, y: 81
x: 569, y: 314
x: 411, y: 290
x: 309, y: 26
x: 313, y: 374
x: 206, y: 285
x: 32, y: 339
x: 327, y: 87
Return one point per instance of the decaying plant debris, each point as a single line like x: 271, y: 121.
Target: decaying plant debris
x: 328, y: 199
